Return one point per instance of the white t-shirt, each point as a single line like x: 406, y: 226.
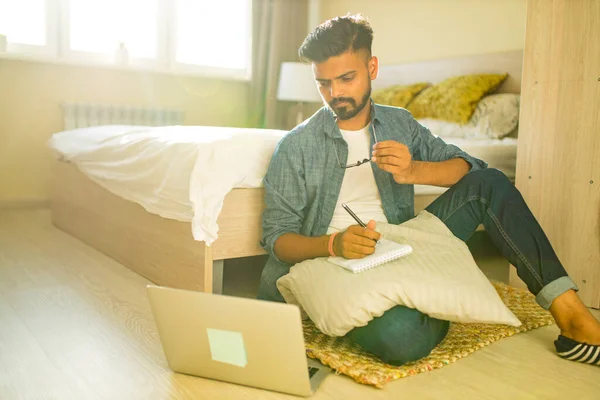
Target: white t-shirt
x: 359, y: 190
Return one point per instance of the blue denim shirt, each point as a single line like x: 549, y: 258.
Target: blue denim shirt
x: 304, y: 178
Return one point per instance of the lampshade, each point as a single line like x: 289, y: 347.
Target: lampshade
x: 297, y: 83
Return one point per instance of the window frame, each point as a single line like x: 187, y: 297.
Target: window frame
x: 57, y: 49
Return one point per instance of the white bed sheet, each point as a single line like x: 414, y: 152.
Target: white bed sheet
x: 178, y: 172
x: 185, y: 172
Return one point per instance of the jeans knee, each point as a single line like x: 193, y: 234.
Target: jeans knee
x: 401, y: 336
x: 410, y: 352
x: 488, y: 177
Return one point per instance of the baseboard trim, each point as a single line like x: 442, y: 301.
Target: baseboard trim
x: 24, y: 204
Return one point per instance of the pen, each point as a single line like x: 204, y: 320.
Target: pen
x: 355, y: 216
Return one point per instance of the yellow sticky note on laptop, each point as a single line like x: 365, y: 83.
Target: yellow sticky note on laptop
x: 227, y: 347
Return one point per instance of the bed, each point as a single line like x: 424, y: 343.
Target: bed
x: 172, y: 235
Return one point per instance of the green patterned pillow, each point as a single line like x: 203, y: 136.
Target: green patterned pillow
x: 454, y: 99
x: 398, y: 95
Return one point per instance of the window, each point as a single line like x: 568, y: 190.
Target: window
x: 183, y: 36
x: 27, y: 25
x: 213, y: 33
x: 102, y: 26
x: 24, y: 21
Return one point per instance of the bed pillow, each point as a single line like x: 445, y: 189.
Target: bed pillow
x: 454, y: 99
x: 495, y: 117
x: 514, y: 134
x: 439, y: 278
x: 398, y: 95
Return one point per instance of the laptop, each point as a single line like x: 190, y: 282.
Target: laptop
x: 238, y: 340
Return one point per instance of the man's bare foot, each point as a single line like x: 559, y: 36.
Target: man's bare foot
x: 580, y: 331
x: 574, y: 319
x: 583, y: 328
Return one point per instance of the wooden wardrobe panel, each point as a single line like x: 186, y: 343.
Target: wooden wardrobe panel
x: 558, y: 163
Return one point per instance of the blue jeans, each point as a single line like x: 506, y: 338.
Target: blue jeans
x: 485, y: 197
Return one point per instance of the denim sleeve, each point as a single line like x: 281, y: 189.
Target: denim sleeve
x: 285, y: 195
x: 427, y: 147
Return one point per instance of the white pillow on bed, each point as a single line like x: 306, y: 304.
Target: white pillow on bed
x: 495, y: 117
x: 440, y: 278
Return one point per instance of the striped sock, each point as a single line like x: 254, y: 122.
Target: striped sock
x: 575, y: 351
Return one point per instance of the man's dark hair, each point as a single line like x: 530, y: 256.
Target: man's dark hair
x: 336, y: 36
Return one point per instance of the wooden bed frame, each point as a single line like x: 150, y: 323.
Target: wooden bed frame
x: 160, y: 249
x: 164, y: 251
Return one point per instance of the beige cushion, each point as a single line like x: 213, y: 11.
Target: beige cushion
x: 440, y: 278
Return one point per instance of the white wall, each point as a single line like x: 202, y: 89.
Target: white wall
x: 415, y: 30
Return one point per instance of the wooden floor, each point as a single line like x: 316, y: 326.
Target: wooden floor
x: 75, y: 324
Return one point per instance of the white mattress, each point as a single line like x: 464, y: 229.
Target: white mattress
x: 498, y: 153
x: 185, y: 172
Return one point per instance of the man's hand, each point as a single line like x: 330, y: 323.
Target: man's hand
x: 356, y: 241
x: 394, y: 158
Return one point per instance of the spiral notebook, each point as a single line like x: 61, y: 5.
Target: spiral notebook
x: 385, y: 252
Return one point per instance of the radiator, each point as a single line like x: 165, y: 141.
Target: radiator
x: 83, y: 115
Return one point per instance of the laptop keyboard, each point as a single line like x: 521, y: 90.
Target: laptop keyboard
x: 312, y: 371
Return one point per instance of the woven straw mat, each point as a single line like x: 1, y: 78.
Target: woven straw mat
x: 463, y: 339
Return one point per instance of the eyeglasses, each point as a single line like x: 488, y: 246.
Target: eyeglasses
x: 356, y: 164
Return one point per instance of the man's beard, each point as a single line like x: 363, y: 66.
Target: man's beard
x: 350, y: 110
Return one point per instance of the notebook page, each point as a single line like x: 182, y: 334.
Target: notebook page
x: 385, y: 251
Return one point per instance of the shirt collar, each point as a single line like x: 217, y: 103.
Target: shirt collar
x: 331, y: 128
